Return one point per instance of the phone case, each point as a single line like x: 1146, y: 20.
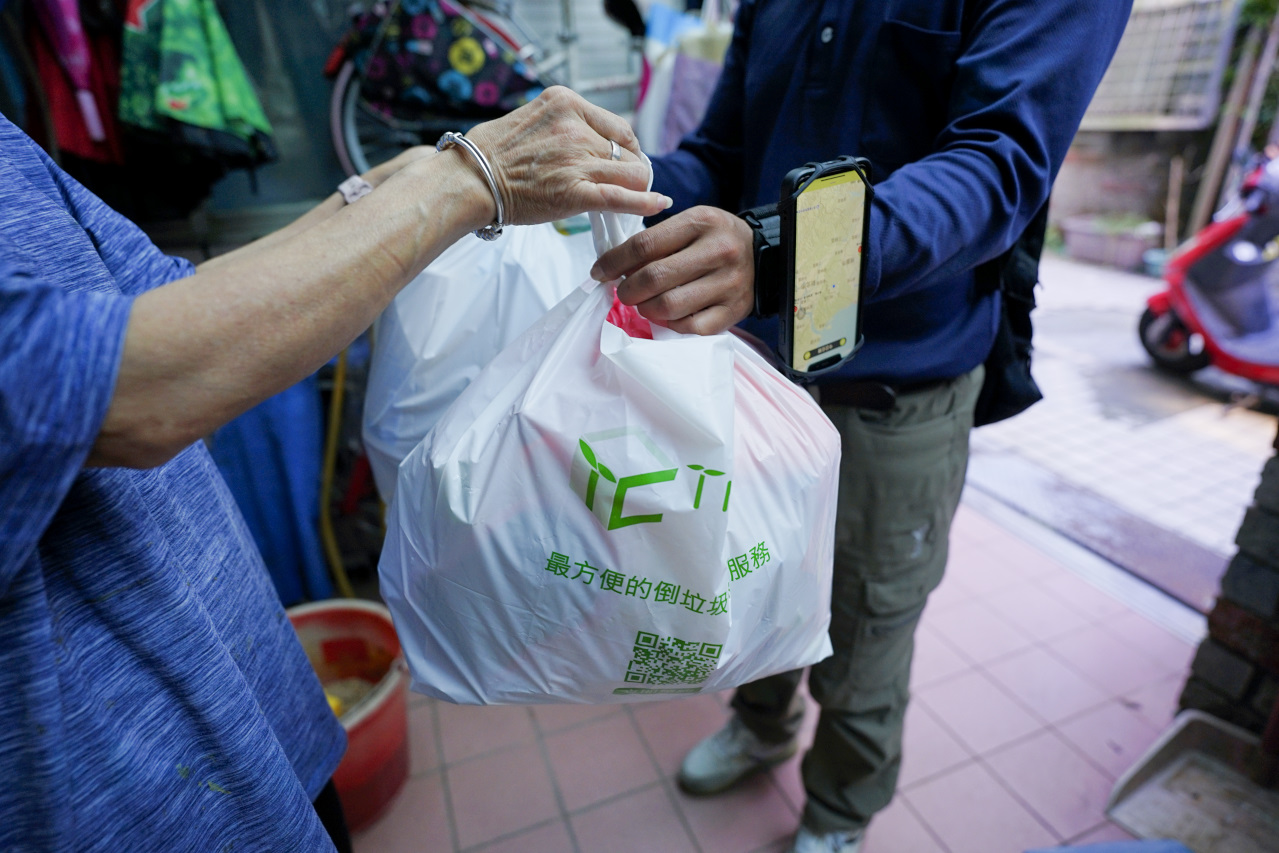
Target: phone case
x: 792, y: 186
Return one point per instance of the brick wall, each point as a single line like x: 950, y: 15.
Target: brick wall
x: 1235, y: 675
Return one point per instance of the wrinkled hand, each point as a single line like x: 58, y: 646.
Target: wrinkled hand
x: 694, y: 272
x: 551, y: 159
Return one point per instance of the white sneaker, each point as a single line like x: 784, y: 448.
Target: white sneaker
x: 807, y: 841
x: 728, y: 756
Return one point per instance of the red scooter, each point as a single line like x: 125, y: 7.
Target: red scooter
x: 1218, y: 308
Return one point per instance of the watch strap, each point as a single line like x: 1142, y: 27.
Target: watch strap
x: 766, y: 231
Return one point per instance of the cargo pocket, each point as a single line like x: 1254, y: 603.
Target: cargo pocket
x: 874, y: 643
x: 896, y: 519
x: 907, y: 105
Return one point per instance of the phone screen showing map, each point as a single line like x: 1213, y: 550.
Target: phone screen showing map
x: 828, y: 264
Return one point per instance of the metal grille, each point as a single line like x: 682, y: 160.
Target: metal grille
x: 1166, y: 74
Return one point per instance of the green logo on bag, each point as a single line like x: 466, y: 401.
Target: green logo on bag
x: 701, y: 481
x: 622, y: 486
x: 605, y: 493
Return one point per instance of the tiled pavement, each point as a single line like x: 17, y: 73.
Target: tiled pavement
x: 1154, y: 446
x: 1033, y: 691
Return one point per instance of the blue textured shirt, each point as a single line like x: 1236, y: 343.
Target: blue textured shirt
x: 965, y: 108
x: 153, y: 696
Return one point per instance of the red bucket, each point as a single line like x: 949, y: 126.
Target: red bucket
x: 350, y: 639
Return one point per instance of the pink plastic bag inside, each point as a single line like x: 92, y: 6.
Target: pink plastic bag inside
x: 628, y: 319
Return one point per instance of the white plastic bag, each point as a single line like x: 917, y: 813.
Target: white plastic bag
x: 450, y: 321
x: 603, y: 518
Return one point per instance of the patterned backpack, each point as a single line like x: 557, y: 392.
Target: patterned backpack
x: 436, y: 56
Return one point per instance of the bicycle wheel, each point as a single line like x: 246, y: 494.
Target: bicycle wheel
x: 365, y: 134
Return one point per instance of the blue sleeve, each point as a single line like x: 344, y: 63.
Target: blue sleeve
x: 134, y: 261
x: 59, y: 354
x: 1026, y: 73
x: 706, y: 168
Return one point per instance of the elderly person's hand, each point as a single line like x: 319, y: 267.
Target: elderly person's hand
x: 694, y: 272
x: 552, y: 159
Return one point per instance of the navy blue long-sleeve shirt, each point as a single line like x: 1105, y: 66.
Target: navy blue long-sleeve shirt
x: 965, y: 108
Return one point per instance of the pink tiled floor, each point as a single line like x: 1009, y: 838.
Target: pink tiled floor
x: 1033, y: 692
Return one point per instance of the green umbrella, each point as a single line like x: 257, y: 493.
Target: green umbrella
x: 181, y: 76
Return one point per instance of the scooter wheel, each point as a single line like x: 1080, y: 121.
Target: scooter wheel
x: 1168, y: 342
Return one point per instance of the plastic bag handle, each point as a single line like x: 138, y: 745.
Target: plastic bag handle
x: 661, y: 333
x: 607, y: 230
x: 614, y: 229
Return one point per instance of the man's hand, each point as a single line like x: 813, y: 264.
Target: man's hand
x: 694, y: 272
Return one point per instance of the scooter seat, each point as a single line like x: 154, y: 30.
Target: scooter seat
x: 1257, y: 347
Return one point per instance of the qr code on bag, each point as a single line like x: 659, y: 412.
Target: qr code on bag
x: 669, y: 660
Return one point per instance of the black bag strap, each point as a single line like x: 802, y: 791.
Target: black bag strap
x: 1009, y: 388
x: 1017, y: 270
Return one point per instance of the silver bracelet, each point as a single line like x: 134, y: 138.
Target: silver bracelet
x: 448, y: 140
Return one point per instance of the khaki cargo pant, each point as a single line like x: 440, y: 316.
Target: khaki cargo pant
x: 900, y: 479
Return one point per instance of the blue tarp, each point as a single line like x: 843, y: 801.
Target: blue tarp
x: 270, y: 457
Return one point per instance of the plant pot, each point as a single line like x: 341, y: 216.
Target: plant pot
x: 1096, y: 239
